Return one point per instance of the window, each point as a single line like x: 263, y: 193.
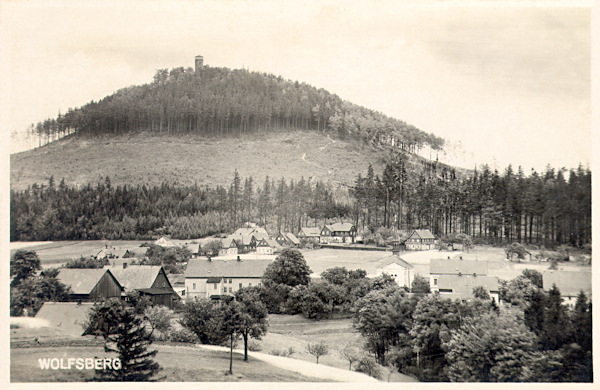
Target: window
x: 194, y: 286
x: 229, y: 289
x: 249, y: 284
x: 224, y: 289
x: 183, y: 293
x: 214, y: 286
x: 435, y: 282
x: 230, y: 281
x: 240, y: 285
x: 164, y: 284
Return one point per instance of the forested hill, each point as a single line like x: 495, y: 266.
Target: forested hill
x: 220, y: 101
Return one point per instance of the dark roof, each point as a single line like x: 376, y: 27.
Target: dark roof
x: 214, y: 280
x: 200, y: 268
x: 569, y: 283
x: 455, y: 266
x: 422, y: 233
x: 156, y: 291
x: 81, y: 280
x: 463, y: 285
x: 394, y: 259
x: 136, y: 277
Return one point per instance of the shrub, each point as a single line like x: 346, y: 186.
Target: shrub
x: 368, y: 365
x: 254, y: 346
x: 182, y: 335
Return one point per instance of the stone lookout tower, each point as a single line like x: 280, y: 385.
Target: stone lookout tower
x: 199, y: 63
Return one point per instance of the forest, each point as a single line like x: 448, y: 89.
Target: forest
x: 550, y: 208
x: 220, y: 101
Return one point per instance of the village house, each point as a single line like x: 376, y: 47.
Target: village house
x: 194, y: 249
x: 311, y: 234
x: 420, y: 240
x: 245, y: 242
x: 148, y: 280
x: 68, y: 318
x: 165, y: 242
x: 456, y: 278
x: 338, y: 233
x: 121, y: 261
x: 569, y: 283
x: 397, y: 268
x: 90, y: 284
x: 214, y: 278
x: 228, y: 247
x: 267, y: 247
x: 287, y: 239
x: 112, y: 253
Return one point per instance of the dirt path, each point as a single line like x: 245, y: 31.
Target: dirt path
x: 302, y: 367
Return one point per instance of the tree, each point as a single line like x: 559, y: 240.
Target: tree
x: 481, y: 292
x: 368, y: 365
x: 515, y: 249
x: 420, y: 285
x: 205, y: 318
x: 23, y: 264
x: 289, y: 268
x: 317, y: 349
x: 130, y: 340
x: 350, y: 353
x: 103, y: 318
x: 159, y: 318
x: 31, y: 293
x: 212, y: 247
x: 253, y: 316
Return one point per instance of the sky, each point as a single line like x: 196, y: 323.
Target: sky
x: 502, y: 83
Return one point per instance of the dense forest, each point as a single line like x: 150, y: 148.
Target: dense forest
x: 543, y: 209
x: 549, y: 208
x: 221, y: 101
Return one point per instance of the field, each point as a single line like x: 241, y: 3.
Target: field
x: 147, y: 159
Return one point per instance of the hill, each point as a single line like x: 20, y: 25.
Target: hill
x: 143, y: 158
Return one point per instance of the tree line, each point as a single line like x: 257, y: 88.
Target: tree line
x: 221, y: 101
x: 548, y: 208
x: 104, y: 211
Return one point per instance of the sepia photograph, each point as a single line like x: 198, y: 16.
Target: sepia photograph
x: 259, y: 192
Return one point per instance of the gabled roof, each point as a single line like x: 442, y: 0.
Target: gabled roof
x: 311, y: 231
x: 340, y: 227
x: 273, y: 243
x: 463, y: 285
x: 569, y: 283
x: 394, y: 259
x: 422, y: 233
x: 243, y: 239
x: 176, y: 279
x: 164, y: 242
x: 68, y: 317
x: 291, y: 237
x: 81, y: 280
x: 456, y: 266
x: 228, y: 242
x: 200, y: 268
x: 136, y: 277
x: 193, y: 248
x: 260, y: 236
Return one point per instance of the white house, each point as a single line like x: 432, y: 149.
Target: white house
x: 398, y: 268
x: 207, y: 278
x: 569, y: 283
x: 228, y: 247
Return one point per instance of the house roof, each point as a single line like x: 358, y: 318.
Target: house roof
x: 570, y: 283
x: 456, y: 266
x: 227, y: 242
x: 81, y: 280
x: 422, y: 233
x: 311, y: 231
x: 463, y: 285
x: 292, y: 238
x: 120, y: 262
x: 176, y: 279
x: 200, y: 268
x: 340, y: 227
x: 193, y: 248
x: 214, y: 280
x: 394, y: 259
x: 136, y: 277
x: 260, y: 236
x: 164, y: 242
x: 68, y: 317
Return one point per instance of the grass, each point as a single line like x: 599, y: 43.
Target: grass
x: 179, y: 364
x: 149, y: 159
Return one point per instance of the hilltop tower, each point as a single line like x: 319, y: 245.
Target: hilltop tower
x: 199, y: 63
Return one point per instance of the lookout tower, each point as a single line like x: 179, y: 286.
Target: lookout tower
x: 199, y: 63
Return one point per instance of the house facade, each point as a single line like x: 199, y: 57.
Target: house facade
x: 569, y: 283
x: 338, y: 233
x: 228, y: 247
x: 420, y: 240
x: 456, y: 278
x: 311, y: 234
x: 210, y: 278
x: 148, y: 280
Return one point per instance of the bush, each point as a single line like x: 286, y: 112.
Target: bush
x: 182, y: 335
x: 254, y: 346
x: 368, y: 365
